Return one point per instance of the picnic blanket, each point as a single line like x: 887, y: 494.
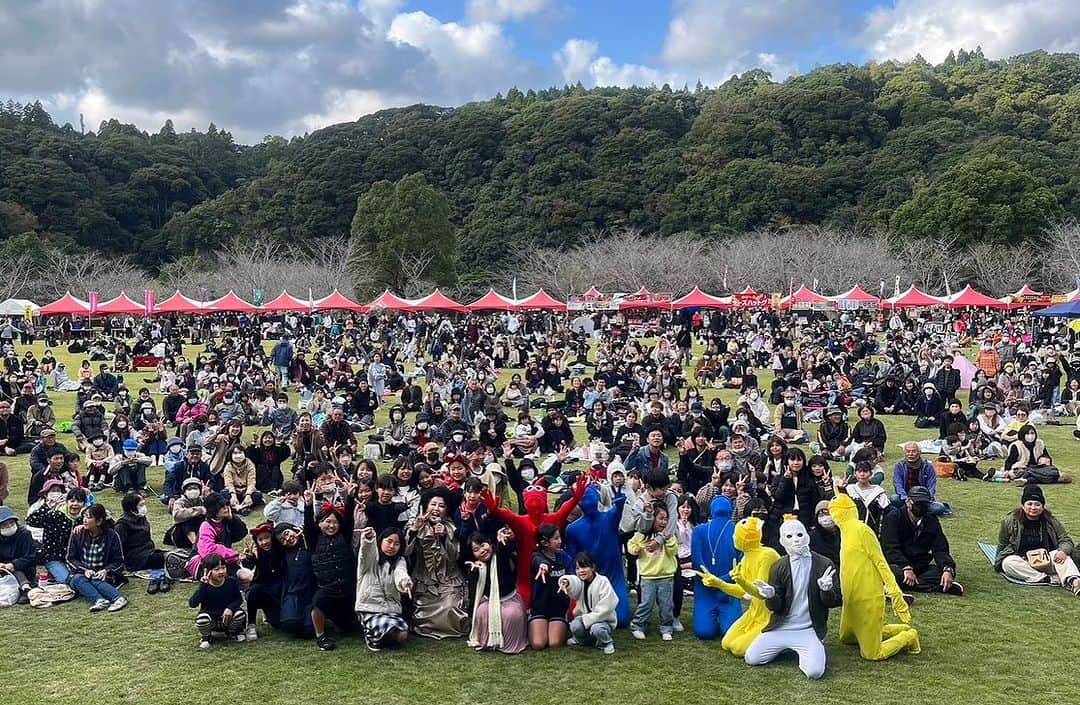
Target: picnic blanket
x: 990, y: 551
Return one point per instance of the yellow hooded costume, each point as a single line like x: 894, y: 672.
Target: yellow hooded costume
x: 756, y: 563
x: 863, y: 572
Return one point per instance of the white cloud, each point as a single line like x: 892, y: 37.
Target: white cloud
x: 503, y: 10
x: 714, y: 39
x: 348, y: 105
x: 1002, y: 27
x: 579, y: 60
x: 97, y: 107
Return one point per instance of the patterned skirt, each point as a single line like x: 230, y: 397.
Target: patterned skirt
x: 378, y: 624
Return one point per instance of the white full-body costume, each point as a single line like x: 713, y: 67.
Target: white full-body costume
x: 796, y: 631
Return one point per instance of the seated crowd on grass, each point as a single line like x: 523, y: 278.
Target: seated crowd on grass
x: 383, y: 460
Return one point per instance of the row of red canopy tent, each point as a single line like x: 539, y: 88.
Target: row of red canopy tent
x: 803, y: 297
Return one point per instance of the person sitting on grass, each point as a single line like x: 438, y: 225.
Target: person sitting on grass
x: 138, y: 544
x: 96, y: 561
x: 220, y: 603
x: 1034, y: 546
x: 912, y: 471
x: 499, y: 618
x: 594, y: 608
x: 18, y: 554
x: 1027, y: 461
x: 916, y: 548
x: 834, y: 434
x: 56, y: 516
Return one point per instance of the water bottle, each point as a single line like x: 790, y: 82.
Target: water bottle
x: 43, y: 579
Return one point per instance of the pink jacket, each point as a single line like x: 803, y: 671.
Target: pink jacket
x: 187, y: 414
x: 207, y: 545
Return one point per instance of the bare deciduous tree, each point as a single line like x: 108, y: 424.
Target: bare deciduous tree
x: 1000, y: 270
x: 1060, y: 256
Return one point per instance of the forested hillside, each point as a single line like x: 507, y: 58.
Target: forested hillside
x: 987, y: 151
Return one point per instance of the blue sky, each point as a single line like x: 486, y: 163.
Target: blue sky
x: 259, y: 67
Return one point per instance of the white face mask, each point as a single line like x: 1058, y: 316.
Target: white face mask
x: 141, y: 511
x: 54, y: 497
x: 794, y: 538
x: 528, y: 474
x: 192, y: 494
x: 458, y: 438
x: 282, y: 405
x: 98, y: 441
x: 725, y: 466
x: 8, y: 531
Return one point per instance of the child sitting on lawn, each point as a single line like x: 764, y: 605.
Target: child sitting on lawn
x: 219, y: 601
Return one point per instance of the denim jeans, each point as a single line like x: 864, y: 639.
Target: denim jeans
x: 92, y: 588
x: 58, y: 571
x: 283, y: 375
x: 659, y: 593
x: 598, y: 634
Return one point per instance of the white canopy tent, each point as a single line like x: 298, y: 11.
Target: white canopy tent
x: 17, y: 307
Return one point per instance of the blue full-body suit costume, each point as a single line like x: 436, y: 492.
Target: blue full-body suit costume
x: 712, y: 547
x: 597, y: 533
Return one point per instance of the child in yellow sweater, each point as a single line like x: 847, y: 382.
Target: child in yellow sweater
x: 656, y: 564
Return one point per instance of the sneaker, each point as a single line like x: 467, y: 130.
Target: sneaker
x: 204, y: 644
x: 678, y: 627
x: 557, y: 487
x: 118, y: 604
x: 609, y: 649
x: 572, y: 642
x: 240, y: 638
x: 175, y: 565
x: 638, y: 634
x: 165, y: 585
x: 325, y: 643
x: 153, y: 587
x: 372, y: 648
x: 252, y: 633
x: 956, y: 589
x: 100, y: 605
x: 666, y: 636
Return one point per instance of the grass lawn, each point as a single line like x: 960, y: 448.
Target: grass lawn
x: 977, y: 649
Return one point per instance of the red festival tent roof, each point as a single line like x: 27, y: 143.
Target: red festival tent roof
x: 912, y: 298
x: 121, y: 304
x: 437, y: 301
x: 642, y: 298
x: 699, y: 299
x: 1026, y: 297
x: 286, y: 302
x: 65, y: 305
x: 969, y: 298
x: 855, y: 293
x: 388, y: 301
x: 232, y: 303
x: 337, y: 301
x: 802, y: 295
x: 592, y: 293
x: 178, y: 303
x: 492, y: 301
x: 542, y: 300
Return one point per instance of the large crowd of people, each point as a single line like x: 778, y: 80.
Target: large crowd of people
x: 517, y: 482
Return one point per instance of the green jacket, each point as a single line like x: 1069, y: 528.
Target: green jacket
x: 1009, y: 536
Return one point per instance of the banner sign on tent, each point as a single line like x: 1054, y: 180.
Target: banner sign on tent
x: 647, y: 300
x: 854, y: 305
x: 600, y: 302
x: 751, y: 300
x: 148, y: 301
x: 1034, y: 299
x: 92, y: 299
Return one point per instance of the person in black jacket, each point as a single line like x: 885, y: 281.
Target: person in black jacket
x: 868, y: 430
x: 947, y: 379
x: 137, y: 543
x: 328, y: 529
x: 954, y: 414
x: 887, y: 399
x: 916, y: 547
x: 18, y: 554
x: 267, y: 559
x: 797, y: 492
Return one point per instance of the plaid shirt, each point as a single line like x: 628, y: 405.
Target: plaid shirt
x: 989, y: 362
x: 93, y: 553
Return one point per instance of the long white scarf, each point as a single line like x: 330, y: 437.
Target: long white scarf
x: 495, y: 635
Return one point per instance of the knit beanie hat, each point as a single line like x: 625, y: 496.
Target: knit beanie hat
x: 1032, y: 493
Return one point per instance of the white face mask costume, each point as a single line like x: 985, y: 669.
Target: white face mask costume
x: 795, y: 538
